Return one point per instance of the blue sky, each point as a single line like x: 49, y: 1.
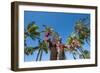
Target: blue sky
x: 63, y: 23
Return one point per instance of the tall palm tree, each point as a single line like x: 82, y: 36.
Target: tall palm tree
x: 81, y: 34
x: 32, y: 32
x: 50, y: 39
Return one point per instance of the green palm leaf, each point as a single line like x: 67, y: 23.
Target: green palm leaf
x: 32, y: 29
x: 30, y: 50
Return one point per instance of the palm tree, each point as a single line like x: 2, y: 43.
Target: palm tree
x: 81, y: 34
x: 50, y: 39
x: 32, y: 32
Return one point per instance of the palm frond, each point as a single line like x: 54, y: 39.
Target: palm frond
x: 30, y: 50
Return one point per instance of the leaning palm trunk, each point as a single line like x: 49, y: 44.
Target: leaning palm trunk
x: 39, y: 51
x: 74, y: 56
x: 41, y: 55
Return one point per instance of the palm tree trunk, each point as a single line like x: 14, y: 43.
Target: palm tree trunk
x: 74, y: 56
x: 61, y: 55
x: 53, y: 55
x: 53, y: 51
x: 38, y: 54
x: 41, y: 53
